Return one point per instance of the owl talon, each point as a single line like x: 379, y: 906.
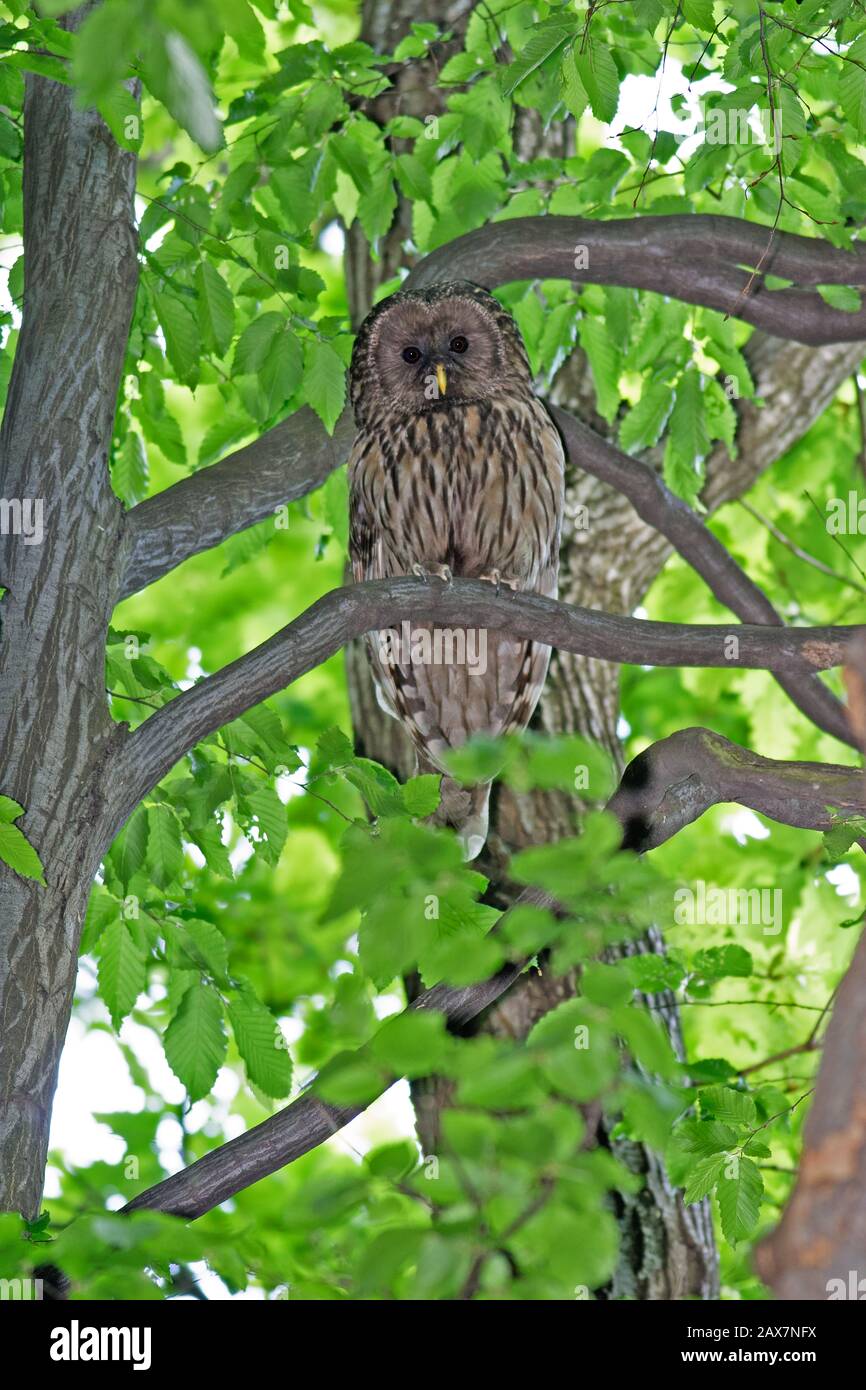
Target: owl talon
x: 494, y: 577
x: 442, y: 572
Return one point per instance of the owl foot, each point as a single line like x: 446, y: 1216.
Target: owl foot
x: 424, y: 572
x: 494, y: 577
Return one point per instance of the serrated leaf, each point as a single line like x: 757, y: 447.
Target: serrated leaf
x: 270, y: 813
x: 128, y: 852
x: 261, y: 1044
x: 841, y: 297
x: 544, y: 42
x: 174, y: 74
x: 164, y: 846
x: 739, y: 1200
x: 216, y: 307
x: 600, y: 80
x: 281, y: 370
x: 703, y: 1177
x: 705, y: 1137
x: 122, y: 972
x: 643, y: 425
x: 195, y: 1040
x: 182, y: 340
x: 17, y: 851
x: 254, y: 343
x: 728, y: 1105
x: 130, y: 474
x: 324, y: 382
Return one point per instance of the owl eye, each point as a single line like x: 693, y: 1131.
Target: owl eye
x: 458, y: 344
x: 411, y: 354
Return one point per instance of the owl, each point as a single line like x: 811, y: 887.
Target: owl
x: 456, y: 470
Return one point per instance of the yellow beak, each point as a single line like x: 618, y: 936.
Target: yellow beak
x: 441, y: 378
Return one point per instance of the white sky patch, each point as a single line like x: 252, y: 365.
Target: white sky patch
x: 845, y: 880
x: 744, y: 825
x: 645, y: 102
x: 332, y: 239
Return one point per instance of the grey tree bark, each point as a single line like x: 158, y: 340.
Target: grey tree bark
x: 80, y: 248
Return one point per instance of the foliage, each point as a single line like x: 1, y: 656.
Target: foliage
x: 261, y: 905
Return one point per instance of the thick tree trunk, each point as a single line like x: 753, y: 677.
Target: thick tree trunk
x: 80, y: 277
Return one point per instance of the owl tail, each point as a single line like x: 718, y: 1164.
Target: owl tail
x: 465, y: 809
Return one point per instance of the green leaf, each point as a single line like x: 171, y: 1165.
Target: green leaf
x: 128, y: 851
x: 281, y: 370
x: 604, y: 360
x: 216, y: 307
x: 643, y: 425
x: 15, y: 849
x: 182, y: 340
x: 703, y: 1177
x: 841, y: 296
x: 255, y: 342
x: 739, y: 1199
x: 164, y: 847
x: 195, y: 1040
x: 324, y: 382
x: 547, y: 39
x: 420, y: 795
x: 851, y: 91
x: 177, y: 79
x: 270, y: 813
x: 130, y: 473
x: 261, y: 1044
x: 726, y: 1104
x: 122, y: 974
x: 412, y: 1044
x: 600, y: 79
x: 104, y: 48
x: 705, y: 1137
x: 688, y: 439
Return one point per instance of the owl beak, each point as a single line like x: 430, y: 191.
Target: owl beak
x: 441, y: 378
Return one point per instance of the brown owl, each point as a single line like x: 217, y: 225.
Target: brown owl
x: 456, y: 469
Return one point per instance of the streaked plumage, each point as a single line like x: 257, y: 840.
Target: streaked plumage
x: 471, y: 479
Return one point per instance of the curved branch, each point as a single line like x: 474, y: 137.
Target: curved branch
x: 793, y: 793
x: 675, y: 781
x: 290, y: 460
x: 660, y: 508
x: 695, y: 257
x: 343, y: 614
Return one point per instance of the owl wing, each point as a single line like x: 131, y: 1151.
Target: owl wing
x: 533, y: 658
x: 366, y: 551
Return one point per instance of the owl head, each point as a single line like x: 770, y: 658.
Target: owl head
x: 437, y: 348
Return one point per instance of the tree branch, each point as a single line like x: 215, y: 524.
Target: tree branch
x: 660, y: 508
x: 704, y: 769
x: 693, y: 257
x: 675, y: 781
x: 335, y: 619
x: 290, y: 460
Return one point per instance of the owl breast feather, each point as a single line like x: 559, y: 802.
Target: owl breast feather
x: 475, y: 486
